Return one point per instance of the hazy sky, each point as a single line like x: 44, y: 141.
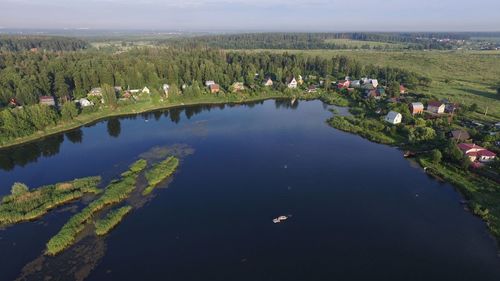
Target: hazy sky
x: 269, y: 15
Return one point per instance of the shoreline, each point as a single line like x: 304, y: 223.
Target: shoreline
x: 75, y: 124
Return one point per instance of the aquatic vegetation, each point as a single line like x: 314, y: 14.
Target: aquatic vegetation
x: 103, y: 226
x: 160, y: 172
x: 24, y: 204
x: 115, y: 192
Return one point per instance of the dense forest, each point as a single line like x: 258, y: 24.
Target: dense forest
x: 26, y: 76
x: 305, y: 41
x: 49, y: 43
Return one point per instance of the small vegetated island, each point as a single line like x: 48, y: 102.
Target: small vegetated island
x: 160, y: 172
x: 24, y: 204
x: 112, y: 219
x: 115, y: 193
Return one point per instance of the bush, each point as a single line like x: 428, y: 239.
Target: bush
x: 18, y: 188
x: 436, y: 156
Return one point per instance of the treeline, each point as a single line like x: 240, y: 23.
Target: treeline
x: 26, y: 76
x: 14, y: 43
x: 305, y: 41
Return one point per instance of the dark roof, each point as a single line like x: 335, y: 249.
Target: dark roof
x: 434, y: 103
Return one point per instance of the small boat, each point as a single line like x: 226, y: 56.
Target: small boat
x: 280, y: 219
x: 408, y: 154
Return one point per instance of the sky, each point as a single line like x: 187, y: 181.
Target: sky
x: 254, y: 15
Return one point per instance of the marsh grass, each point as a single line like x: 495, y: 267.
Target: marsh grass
x: 159, y: 172
x: 112, y: 219
x: 115, y: 192
x: 34, y: 204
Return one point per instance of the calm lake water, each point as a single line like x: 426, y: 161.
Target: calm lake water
x: 359, y: 210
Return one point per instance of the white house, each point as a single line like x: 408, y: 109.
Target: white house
x: 374, y: 83
x: 146, y: 90
x: 166, y: 87
x: 209, y: 83
x: 85, y: 102
x: 436, y: 107
x: 292, y: 84
x: 393, y: 117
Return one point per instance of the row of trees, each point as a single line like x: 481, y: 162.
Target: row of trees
x: 27, y: 76
x: 17, y: 43
x: 304, y: 41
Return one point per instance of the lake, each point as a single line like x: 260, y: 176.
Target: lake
x: 357, y: 210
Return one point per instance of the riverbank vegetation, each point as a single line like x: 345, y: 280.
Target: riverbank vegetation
x: 112, y: 219
x: 69, y: 76
x: 24, y: 204
x: 114, y: 193
x: 159, y: 172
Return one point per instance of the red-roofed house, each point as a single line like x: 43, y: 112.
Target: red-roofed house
x: 214, y: 88
x: 343, y: 84
x: 476, y: 152
x: 402, y: 89
x: 47, y: 100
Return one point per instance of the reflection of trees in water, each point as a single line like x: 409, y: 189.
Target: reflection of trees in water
x: 75, y: 136
x: 30, y: 152
x: 286, y: 103
x: 114, y: 127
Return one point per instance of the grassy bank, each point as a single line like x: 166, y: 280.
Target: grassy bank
x: 136, y: 108
x: 34, y: 204
x: 483, y: 195
x: 159, y: 172
x: 115, y: 193
x: 105, y: 225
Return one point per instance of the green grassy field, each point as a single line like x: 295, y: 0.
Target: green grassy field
x: 461, y: 76
x: 360, y: 44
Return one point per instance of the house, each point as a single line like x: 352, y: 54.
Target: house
x: 84, y: 102
x: 166, y: 88
x: 343, y: 84
x: 374, y: 82
x: 356, y: 84
x: 238, y: 87
x: 436, y: 107
x: 214, y: 88
x: 402, y: 89
x: 209, y: 83
x: 459, y: 135
x: 118, y: 89
x: 416, y: 108
x: 375, y: 93
x: 47, y: 100
x: 127, y: 94
x: 300, y: 81
x: 292, y: 83
x: 393, y: 117
x: 268, y: 82
x: 476, y: 153
x: 312, y: 89
x: 146, y: 90
x: 13, y: 102
x: 95, y: 92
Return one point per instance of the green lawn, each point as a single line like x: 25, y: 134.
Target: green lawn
x: 360, y: 44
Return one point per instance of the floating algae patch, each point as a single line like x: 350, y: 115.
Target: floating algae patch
x: 112, y: 219
x: 32, y: 204
x: 161, y: 152
x: 159, y: 172
x: 115, y: 192
x: 75, y: 264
